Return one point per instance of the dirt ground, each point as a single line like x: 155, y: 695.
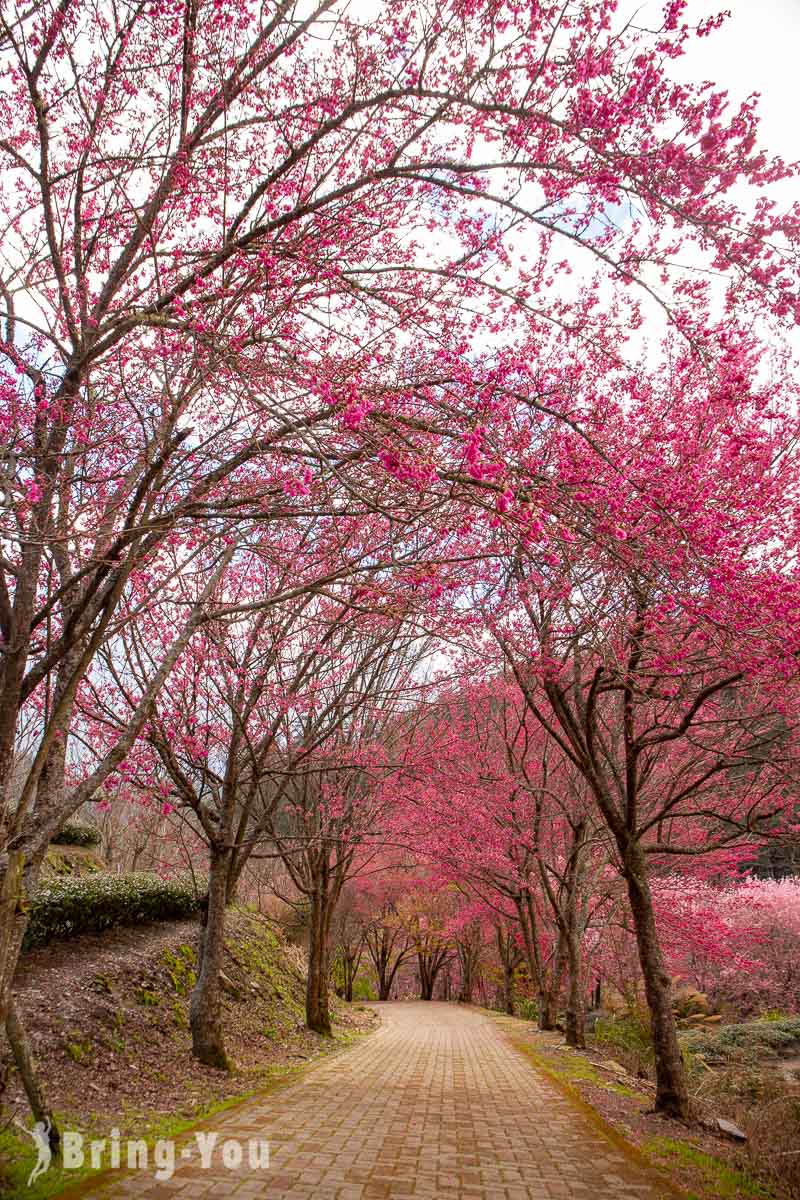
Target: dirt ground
x: 107, y: 1019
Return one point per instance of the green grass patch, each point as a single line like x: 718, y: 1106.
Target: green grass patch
x: 574, y: 1066
x: 17, y: 1159
x: 17, y: 1155
x: 180, y: 968
x: 80, y: 1051
x: 718, y: 1177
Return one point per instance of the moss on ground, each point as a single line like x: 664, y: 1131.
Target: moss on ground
x: 261, y: 969
x: 718, y: 1178
x: 180, y: 968
x: 573, y: 1067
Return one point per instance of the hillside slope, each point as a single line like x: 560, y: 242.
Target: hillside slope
x: 107, y: 1019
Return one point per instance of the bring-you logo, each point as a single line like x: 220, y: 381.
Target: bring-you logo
x: 160, y: 1158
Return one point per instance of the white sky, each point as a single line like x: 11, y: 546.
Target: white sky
x: 757, y: 50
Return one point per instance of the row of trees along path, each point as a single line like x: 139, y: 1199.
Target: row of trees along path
x: 320, y: 366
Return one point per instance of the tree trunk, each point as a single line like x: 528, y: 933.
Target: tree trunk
x: 20, y: 868
x: 13, y: 922
x: 549, y: 992
x: 469, y: 960
x: 547, y: 996
x: 318, y: 1015
x: 426, y: 982
x: 350, y: 970
x: 548, y: 1009
x: 386, y: 976
x: 509, y: 959
x: 385, y: 958
x: 205, y: 1006
x: 575, y: 1032
x: 672, y: 1097
x: 430, y: 963
x: 508, y: 988
x: 26, y: 1066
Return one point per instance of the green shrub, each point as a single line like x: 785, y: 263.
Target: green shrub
x: 528, y: 1010
x: 74, y: 833
x: 745, y: 1042
x: 628, y: 1037
x: 363, y: 989
x: 66, y: 907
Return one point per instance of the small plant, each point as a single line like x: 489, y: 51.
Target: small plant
x: 79, y: 1051
x: 147, y: 998
x: 179, y: 1015
x: 180, y: 969
x: 59, y: 864
x: 627, y: 1037
x: 363, y: 990
x: 528, y: 1010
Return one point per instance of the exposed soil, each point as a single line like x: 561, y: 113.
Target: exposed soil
x: 107, y: 1019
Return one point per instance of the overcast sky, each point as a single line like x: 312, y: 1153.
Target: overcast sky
x: 757, y: 50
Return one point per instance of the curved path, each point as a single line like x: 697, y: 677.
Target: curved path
x: 436, y: 1104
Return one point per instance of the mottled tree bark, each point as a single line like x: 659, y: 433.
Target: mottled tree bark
x: 672, y: 1097
x: 318, y: 1015
x: 205, y: 1005
x: 26, y: 1065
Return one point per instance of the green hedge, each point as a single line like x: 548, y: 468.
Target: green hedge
x: 76, y: 834
x: 69, y: 906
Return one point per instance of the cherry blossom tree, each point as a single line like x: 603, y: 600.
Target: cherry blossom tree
x: 387, y: 941
x: 348, y: 934
x: 494, y: 806
x: 511, y: 958
x: 331, y: 796
x: 272, y: 263
x: 426, y: 913
x: 654, y: 637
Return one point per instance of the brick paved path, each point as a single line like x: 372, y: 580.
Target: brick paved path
x: 436, y: 1104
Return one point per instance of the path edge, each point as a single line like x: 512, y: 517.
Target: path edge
x: 86, y: 1186
x: 593, y: 1118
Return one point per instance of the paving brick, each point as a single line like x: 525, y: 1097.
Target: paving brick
x: 435, y: 1106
